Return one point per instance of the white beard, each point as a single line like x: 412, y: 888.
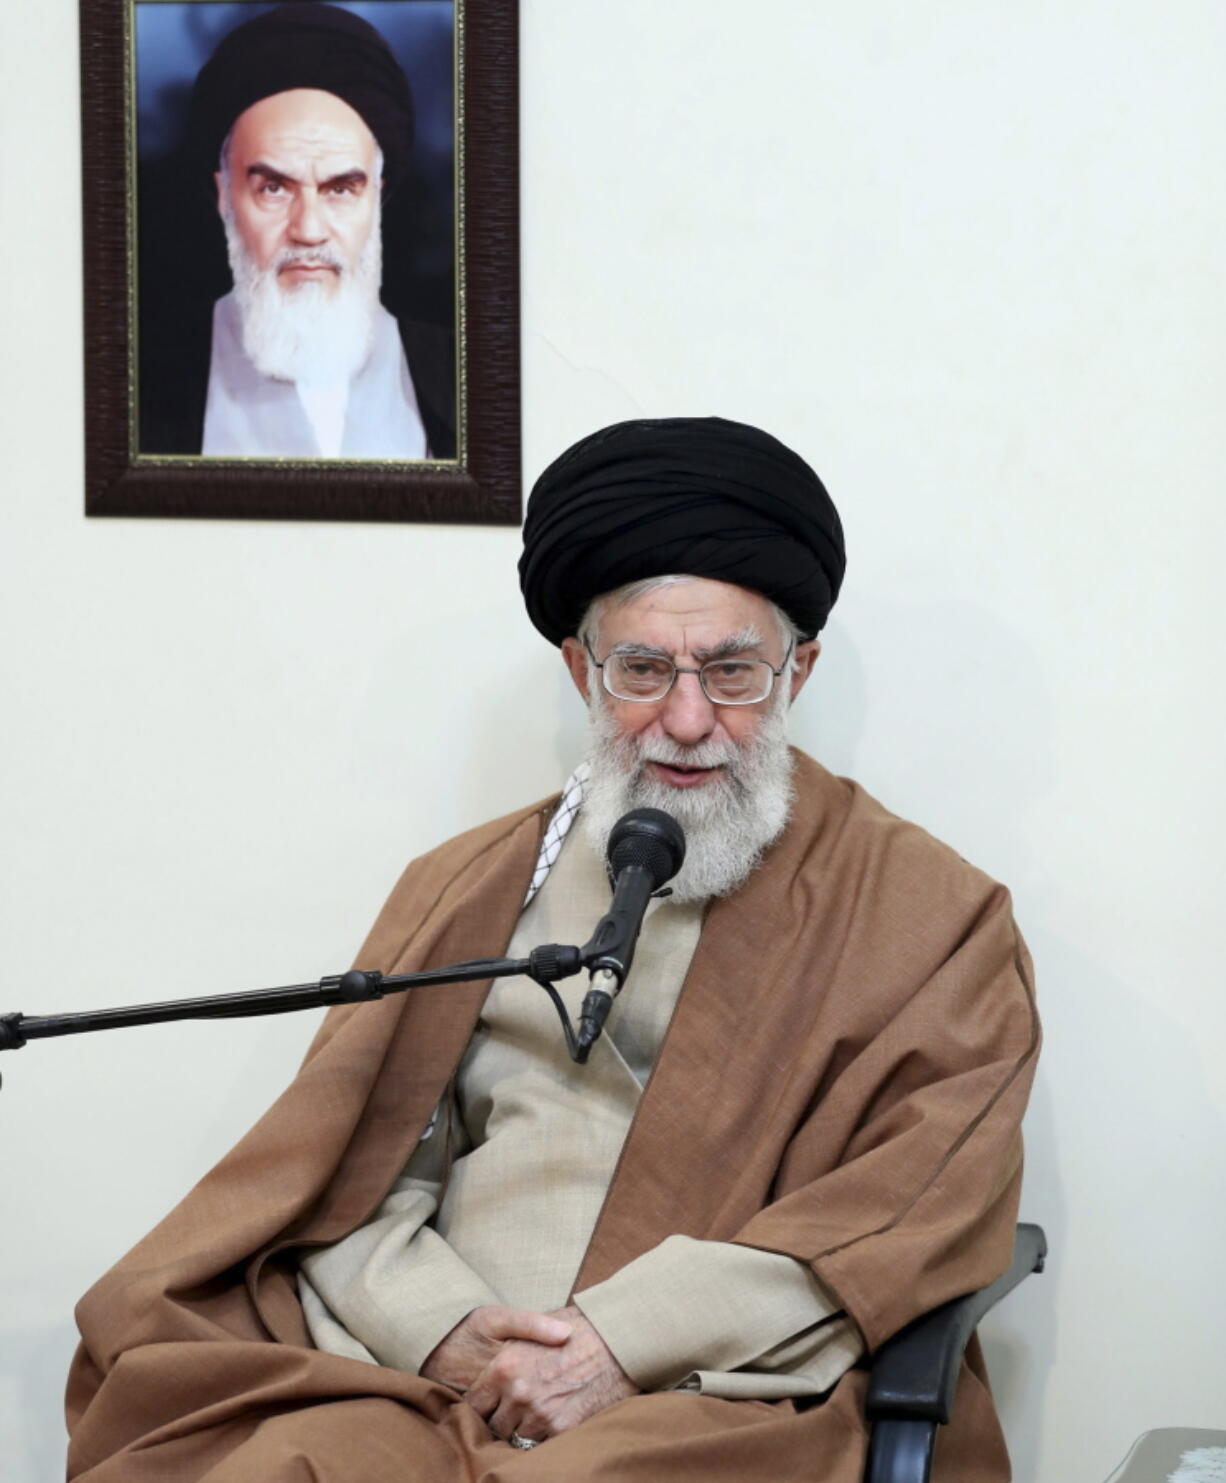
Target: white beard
x: 314, y: 333
x: 728, y: 822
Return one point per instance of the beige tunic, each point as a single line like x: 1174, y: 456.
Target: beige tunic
x: 533, y: 1142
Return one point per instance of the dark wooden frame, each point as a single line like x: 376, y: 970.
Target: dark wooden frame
x: 484, y: 485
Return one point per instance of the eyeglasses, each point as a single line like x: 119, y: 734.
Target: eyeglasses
x: 649, y: 677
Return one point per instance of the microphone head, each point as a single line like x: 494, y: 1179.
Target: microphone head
x: 648, y: 837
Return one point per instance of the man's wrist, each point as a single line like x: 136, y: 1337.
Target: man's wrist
x: 623, y: 1338
x: 426, y: 1340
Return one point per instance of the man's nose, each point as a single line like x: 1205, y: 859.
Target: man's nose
x: 688, y: 716
x: 306, y: 224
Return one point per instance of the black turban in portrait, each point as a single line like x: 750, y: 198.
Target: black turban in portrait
x: 305, y: 45
x: 694, y: 496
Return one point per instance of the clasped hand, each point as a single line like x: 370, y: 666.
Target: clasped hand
x: 537, y: 1374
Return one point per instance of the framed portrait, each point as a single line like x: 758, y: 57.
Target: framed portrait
x: 301, y: 259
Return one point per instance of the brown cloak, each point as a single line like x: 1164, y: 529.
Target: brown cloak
x: 842, y: 1081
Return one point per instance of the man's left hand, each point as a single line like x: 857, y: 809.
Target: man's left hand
x: 538, y: 1390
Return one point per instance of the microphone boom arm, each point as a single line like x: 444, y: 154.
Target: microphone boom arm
x: 646, y: 848
x: 544, y: 964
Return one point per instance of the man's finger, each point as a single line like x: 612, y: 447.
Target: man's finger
x: 486, y: 1392
x: 506, y: 1419
x: 522, y: 1323
x: 482, y: 1397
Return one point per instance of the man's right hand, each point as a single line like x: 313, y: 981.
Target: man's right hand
x: 459, y: 1358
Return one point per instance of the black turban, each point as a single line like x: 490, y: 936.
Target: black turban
x: 696, y: 496
x: 305, y: 46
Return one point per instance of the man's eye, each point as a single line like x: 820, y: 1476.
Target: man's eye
x: 270, y: 188
x: 643, y: 668
x: 730, y: 669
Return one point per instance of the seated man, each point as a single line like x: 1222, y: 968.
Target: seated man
x: 450, y: 1253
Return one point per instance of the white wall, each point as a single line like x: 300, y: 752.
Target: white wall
x: 966, y: 255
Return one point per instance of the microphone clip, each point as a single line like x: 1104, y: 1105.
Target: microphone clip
x: 554, y: 961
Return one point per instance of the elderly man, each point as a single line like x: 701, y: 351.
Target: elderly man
x: 448, y: 1251
x: 305, y: 118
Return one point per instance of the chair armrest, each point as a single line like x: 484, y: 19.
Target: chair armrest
x: 914, y: 1374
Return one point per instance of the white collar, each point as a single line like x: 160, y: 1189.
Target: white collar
x: 559, y: 827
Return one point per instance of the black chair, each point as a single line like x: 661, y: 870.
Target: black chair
x: 912, y: 1377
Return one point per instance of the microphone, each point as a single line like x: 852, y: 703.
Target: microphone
x: 646, y: 848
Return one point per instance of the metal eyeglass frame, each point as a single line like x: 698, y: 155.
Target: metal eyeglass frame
x: 680, y: 670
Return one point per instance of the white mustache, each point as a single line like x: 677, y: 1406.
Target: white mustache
x: 313, y: 257
x: 673, y: 754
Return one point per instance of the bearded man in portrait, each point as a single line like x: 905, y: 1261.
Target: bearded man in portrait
x: 291, y: 343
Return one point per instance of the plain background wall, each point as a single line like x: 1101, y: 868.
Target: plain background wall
x: 966, y: 255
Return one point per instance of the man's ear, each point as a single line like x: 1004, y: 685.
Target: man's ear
x: 805, y: 658
x: 574, y: 656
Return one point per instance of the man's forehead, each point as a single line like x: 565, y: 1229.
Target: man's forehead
x: 699, y: 612
x: 300, y: 125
